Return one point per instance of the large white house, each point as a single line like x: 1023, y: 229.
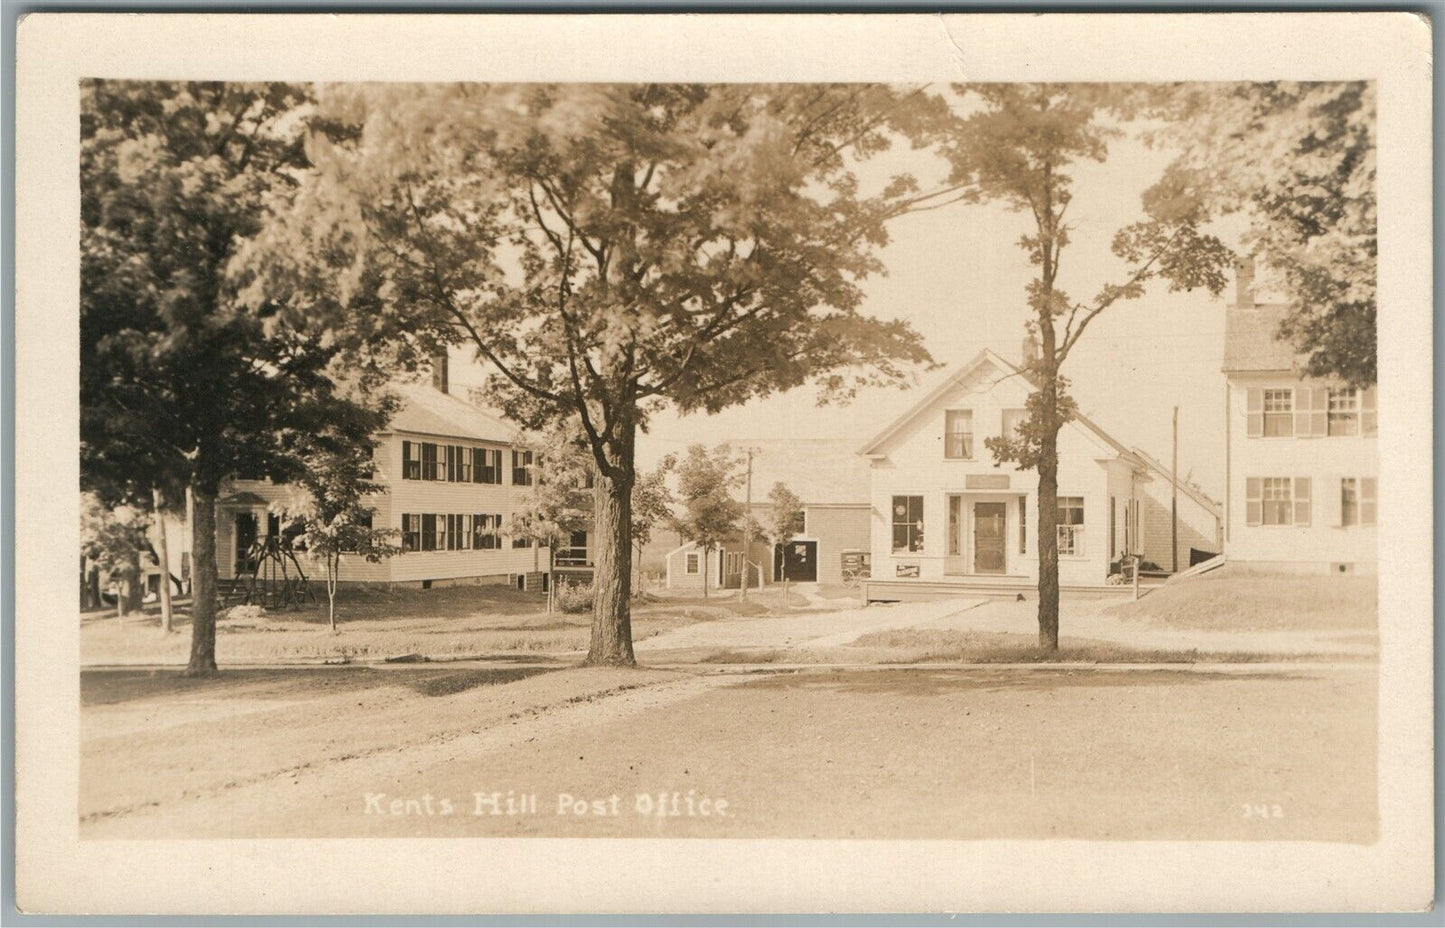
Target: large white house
x: 1302, y: 461
x: 448, y: 474
x: 945, y: 516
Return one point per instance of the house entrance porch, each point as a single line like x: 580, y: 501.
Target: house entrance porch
x: 986, y: 535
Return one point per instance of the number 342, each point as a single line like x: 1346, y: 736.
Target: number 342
x: 1262, y: 810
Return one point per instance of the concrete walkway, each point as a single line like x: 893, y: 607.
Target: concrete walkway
x: 806, y: 629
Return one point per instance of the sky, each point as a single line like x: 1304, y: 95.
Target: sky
x: 958, y: 276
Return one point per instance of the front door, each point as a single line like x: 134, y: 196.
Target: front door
x: 988, y: 538
x: 245, y: 537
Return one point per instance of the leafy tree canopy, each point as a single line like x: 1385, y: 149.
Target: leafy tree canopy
x: 1297, y: 161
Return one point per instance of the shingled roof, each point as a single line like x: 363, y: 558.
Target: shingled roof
x: 819, y: 471
x: 428, y: 411
x: 1251, y: 341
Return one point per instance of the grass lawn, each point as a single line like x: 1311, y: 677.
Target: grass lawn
x: 1235, y: 599
x: 440, y: 624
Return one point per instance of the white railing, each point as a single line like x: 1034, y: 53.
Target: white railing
x: 573, y: 557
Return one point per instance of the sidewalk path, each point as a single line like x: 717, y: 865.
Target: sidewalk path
x: 810, y: 629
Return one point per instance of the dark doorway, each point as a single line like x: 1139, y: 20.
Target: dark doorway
x: 800, y: 558
x: 245, y: 539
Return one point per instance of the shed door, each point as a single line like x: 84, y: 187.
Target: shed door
x: 797, y: 561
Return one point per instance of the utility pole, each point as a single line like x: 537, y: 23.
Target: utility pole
x: 748, y: 527
x: 1174, y: 501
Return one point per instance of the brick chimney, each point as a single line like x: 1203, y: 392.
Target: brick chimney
x: 1244, y: 281
x: 439, y: 371
x: 1030, y: 349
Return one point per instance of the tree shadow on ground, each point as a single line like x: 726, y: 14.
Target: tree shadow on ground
x: 115, y: 686
x: 1031, y: 679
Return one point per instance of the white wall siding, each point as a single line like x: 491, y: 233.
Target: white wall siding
x: 912, y: 462
x: 1324, y: 460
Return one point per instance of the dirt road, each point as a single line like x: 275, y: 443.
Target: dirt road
x: 1225, y: 752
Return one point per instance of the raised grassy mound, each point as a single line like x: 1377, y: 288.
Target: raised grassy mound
x: 1234, y: 598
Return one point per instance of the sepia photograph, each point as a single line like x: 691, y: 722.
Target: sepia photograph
x: 961, y: 460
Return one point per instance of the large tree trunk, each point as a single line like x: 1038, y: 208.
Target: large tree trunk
x: 203, y: 602
x: 165, y: 558
x: 612, y: 573
x: 131, y: 591
x: 333, y: 570
x: 1049, y: 490
x: 1049, y: 543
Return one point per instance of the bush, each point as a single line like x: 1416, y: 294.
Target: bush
x: 245, y: 613
x: 574, y: 597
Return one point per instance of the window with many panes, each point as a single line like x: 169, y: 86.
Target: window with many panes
x: 958, y: 434
x: 1278, y: 413
x: 522, y: 468
x: 462, y: 464
x: 486, y: 531
x: 410, y: 460
x: 1349, y: 501
x: 455, y: 536
x: 1071, y: 526
x: 430, y: 466
x: 410, y: 532
x: 486, y: 465
x: 692, y: 564
x: 1357, y: 500
x: 907, y: 523
x: 1278, y: 501
x: 1344, y: 411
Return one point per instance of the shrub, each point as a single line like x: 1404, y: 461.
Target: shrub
x: 574, y: 597
x: 245, y: 613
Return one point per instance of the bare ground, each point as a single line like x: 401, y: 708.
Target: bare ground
x: 1276, y: 752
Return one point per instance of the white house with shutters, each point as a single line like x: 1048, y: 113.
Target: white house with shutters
x: 1302, y: 461
x: 946, y: 518
x: 449, y: 476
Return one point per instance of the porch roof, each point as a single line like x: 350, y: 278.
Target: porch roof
x: 243, y: 498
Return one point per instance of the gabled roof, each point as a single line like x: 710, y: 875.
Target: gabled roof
x: 243, y: 498
x: 1193, y: 492
x: 956, y: 377
x: 953, y: 379
x: 1251, y: 339
x: 428, y: 411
